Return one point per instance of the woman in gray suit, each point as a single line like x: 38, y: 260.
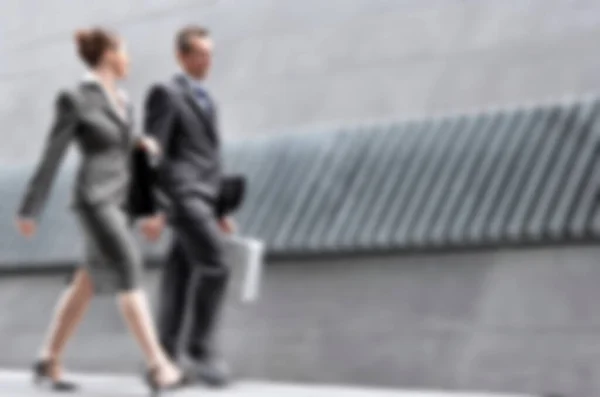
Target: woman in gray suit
x: 97, y: 117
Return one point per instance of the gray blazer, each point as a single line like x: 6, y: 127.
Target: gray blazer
x: 87, y: 117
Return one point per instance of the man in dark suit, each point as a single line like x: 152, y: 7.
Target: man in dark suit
x: 182, y: 117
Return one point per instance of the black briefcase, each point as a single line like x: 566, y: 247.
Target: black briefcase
x: 141, y: 201
x: 231, y: 195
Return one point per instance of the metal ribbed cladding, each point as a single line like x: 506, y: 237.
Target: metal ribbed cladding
x: 526, y: 175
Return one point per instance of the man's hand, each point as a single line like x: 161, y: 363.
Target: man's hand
x: 26, y: 227
x: 227, y: 225
x: 153, y: 226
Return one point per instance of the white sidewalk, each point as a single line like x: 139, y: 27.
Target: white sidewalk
x: 18, y: 384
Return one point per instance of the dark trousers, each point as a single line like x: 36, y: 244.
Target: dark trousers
x: 194, y: 279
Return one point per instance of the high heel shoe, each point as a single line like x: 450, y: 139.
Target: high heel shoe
x: 156, y: 389
x: 42, y: 371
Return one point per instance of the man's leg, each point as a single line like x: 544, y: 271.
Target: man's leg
x: 172, y: 298
x: 200, y: 238
x: 207, y: 302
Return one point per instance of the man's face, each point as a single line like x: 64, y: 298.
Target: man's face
x: 197, y: 61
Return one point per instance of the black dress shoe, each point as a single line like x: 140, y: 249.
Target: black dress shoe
x: 211, y: 370
x: 42, y: 371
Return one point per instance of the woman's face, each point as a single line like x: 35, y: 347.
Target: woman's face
x: 118, y: 60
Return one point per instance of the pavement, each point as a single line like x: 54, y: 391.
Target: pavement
x: 18, y: 384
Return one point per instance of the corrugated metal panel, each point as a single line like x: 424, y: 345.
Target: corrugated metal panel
x: 520, y: 176
x: 527, y: 175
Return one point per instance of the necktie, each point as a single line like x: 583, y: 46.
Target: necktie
x: 203, y: 99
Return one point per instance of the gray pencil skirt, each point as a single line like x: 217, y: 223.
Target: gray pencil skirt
x: 111, y: 253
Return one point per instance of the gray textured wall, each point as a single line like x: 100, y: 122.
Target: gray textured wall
x: 524, y: 320
x: 509, y: 320
x: 284, y: 63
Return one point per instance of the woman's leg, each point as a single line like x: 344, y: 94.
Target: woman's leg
x: 136, y: 311
x: 68, y: 313
x: 108, y: 228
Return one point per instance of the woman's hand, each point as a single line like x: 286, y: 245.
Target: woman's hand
x: 150, y: 145
x: 153, y: 226
x: 26, y: 227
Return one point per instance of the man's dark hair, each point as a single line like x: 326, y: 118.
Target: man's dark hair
x: 182, y: 40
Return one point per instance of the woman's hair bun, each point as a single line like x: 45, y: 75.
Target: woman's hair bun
x: 82, y: 35
x: 93, y: 43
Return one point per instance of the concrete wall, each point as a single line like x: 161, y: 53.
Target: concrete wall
x: 524, y: 320
x: 284, y: 63
x: 506, y: 320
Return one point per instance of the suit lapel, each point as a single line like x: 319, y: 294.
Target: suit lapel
x: 109, y: 108
x: 202, y: 114
x: 113, y: 114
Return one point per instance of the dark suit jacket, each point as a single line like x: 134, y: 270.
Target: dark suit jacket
x: 189, y: 137
x: 86, y: 117
x: 190, y: 165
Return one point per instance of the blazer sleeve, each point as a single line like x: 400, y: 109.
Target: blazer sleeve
x: 159, y: 116
x: 61, y: 133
